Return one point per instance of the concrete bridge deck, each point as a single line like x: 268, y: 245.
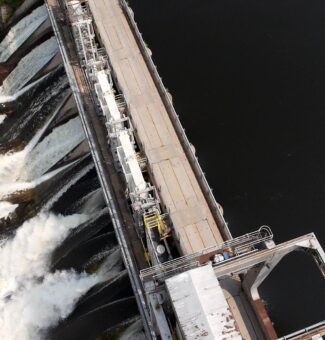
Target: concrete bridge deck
x: 179, y: 189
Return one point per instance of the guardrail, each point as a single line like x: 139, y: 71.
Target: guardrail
x: 207, y: 192
x: 306, y: 331
x: 246, y: 242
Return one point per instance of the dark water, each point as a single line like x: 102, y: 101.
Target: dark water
x: 248, y: 81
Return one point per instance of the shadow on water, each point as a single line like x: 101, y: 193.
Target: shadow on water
x: 80, y: 235
x: 102, y: 294
x: 247, y: 78
x: 96, y: 322
x: 76, y: 194
x: 79, y: 256
x: 294, y: 290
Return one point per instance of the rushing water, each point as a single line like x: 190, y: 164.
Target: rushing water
x: 2, y: 118
x: 55, y: 297
x: 6, y: 208
x: 61, y: 270
x: 53, y: 148
x: 23, y: 169
x: 20, y: 32
x: 247, y: 78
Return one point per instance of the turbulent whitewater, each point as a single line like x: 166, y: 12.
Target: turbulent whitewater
x: 26, y: 256
x: 6, y: 208
x: 61, y: 270
x: 31, y: 297
x: 31, y: 310
x: 24, y: 169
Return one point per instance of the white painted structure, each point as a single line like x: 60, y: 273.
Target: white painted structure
x: 144, y: 200
x: 200, y: 305
x: 119, y: 127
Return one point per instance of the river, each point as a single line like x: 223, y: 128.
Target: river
x: 248, y: 79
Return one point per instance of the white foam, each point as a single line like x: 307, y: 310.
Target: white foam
x: 2, y: 118
x: 21, y: 32
x: 31, y: 298
x: 7, y: 99
x: 26, y: 256
x: 29, y: 305
x: 28, y: 313
x: 23, y: 170
x: 12, y: 163
x: 12, y: 166
x: 6, y: 208
x: 28, y: 67
x: 8, y: 188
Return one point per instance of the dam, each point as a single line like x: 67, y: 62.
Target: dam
x: 190, y: 278
x: 181, y: 207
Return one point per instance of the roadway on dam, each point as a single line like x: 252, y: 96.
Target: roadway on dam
x: 194, y: 224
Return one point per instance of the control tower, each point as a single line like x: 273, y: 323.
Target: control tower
x: 191, y: 279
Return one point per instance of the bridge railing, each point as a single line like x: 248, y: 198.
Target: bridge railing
x: 311, y: 330
x: 213, y: 205
x: 246, y: 243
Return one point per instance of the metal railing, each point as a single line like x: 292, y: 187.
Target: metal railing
x: 248, y: 242
x: 306, y: 331
x: 57, y: 17
x: 207, y: 192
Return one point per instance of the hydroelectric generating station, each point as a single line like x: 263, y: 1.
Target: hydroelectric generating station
x: 188, y: 277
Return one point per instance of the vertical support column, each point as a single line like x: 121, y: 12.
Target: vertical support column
x: 252, y: 280
x: 256, y: 275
